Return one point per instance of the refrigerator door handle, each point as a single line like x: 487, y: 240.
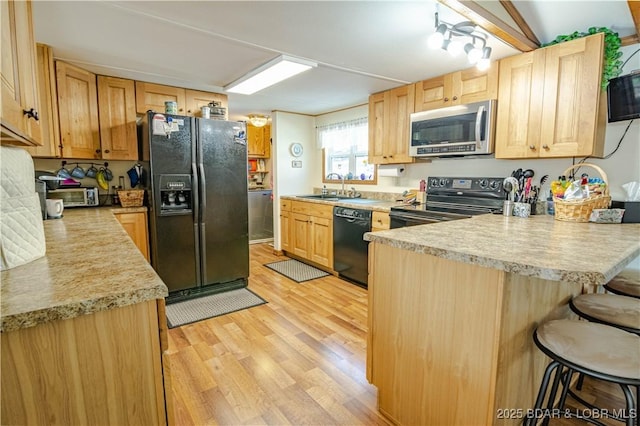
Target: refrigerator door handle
x: 196, y: 218
x: 203, y: 185
x: 203, y: 252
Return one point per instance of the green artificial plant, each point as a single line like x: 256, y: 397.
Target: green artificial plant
x: 612, y: 66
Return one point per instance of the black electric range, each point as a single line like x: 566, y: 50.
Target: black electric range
x: 450, y: 199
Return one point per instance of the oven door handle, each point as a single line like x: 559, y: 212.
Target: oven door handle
x: 481, y: 110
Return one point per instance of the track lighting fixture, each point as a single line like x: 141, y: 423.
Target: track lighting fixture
x: 450, y: 38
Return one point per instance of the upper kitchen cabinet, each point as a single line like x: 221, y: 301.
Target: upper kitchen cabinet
x: 461, y: 87
x: 78, y: 110
x: 259, y: 141
x: 550, y: 102
x: 117, y: 112
x: 389, y: 125
x: 151, y: 96
x: 48, y: 106
x: 195, y: 100
x: 20, y: 104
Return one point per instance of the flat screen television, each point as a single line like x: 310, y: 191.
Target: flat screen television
x: 623, y: 97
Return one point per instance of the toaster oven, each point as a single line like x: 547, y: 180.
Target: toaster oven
x: 75, y: 197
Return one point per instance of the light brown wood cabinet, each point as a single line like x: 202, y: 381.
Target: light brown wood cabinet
x: 150, y: 96
x: 20, y: 97
x: 461, y: 87
x: 136, y: 226
x: 102, y: 368
x: 78, y: 112
x: 311, y: 232
x: 380, y: 221
x: 258, y: 141
x: 285, y: 227
x: 50, y: 123
x: 117, y: 112
x: 550, y: 103
x: 196, y: 99
x: 389, y: 125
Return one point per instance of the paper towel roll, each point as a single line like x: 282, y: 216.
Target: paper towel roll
x: 389, y: 170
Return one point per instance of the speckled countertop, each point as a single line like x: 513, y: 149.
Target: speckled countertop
x: 378, y: 205
x: 539, y: 246
x: 91, y: 265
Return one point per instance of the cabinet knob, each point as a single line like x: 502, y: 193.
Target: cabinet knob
x: 455, y: 98
x: 545, y: 146
x: 106, y: 151
x: 97, y: 151
x: 180, y: 109
x: 446, y: 99
x: 188, y: 111
x: 532, y: 148
x: 31, y: 113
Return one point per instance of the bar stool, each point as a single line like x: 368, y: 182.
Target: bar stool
x: 626, y: 283
x: 596, y: 350
x: 610, y: 309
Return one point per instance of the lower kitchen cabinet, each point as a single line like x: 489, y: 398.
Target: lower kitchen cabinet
x: 136, y: 226
x: 285, y: 227
x: 380, y: 221
x: 310, y: 232
x: 102, y: 368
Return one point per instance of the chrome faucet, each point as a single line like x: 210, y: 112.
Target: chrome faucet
x: 342, y: 191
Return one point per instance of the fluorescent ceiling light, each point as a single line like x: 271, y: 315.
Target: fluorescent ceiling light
x: 268, y: 74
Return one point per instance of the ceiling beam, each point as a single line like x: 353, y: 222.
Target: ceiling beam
x: 634, y: 8
x: 491, y: 23
x: 519, y: 20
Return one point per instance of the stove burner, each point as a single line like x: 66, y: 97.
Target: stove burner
x: 451, y: 199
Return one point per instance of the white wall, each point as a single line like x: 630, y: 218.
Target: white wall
x: 286, y: 129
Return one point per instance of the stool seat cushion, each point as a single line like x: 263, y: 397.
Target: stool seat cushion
x: 593, y: 346
x: 627, y: 281
x: 611, y: 308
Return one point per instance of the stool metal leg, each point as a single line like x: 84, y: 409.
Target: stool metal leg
x: 531, y: 419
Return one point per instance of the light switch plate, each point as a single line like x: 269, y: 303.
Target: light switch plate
x: 296, y: 164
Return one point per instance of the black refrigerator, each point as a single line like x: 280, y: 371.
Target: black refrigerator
x: 198, y: 214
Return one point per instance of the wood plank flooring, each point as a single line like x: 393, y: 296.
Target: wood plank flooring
x: 299, y: 359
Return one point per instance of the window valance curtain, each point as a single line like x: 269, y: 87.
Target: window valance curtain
x: 352, y: 132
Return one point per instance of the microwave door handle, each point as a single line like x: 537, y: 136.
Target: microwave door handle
x: 479, y: 126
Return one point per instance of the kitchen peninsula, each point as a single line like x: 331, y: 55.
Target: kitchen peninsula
x: 453, y: 306
x: 83, y: 328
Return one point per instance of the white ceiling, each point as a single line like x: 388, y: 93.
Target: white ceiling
x: 362, y: 47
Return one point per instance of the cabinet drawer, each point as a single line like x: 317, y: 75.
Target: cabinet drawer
x: 285, y: 205
x: 380, y: 220
x: 312, y: 209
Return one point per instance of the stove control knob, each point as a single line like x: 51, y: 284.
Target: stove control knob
x: 443, y: 182
x: 483, y: 183
x: 434, y: 183
x: 494, y: 184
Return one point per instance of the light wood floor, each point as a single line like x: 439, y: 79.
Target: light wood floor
x: 299, y: 359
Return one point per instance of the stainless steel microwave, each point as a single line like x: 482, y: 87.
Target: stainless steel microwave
x: 75, y: 197
x: 457, y: 130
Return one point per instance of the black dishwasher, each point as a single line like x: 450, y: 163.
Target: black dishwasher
x: 350, y: 250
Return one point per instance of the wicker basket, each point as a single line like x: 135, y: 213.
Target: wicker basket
x: 580, y: 210
x: 131, y: 197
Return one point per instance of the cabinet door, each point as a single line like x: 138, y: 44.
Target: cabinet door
x: 472, y: 85
x: 19, y: 76
x: 299, y: 232
x: 321, y: 238
x: 285, y: 230
x: 433, y: 93
x: 195, y: 100
x: 78, y: 109
x: 48, y: 105
x: 571, y: 99
x: 151, y: 96
x: 400, y: 103
x: 266, y: 141
x: 520, y: 105
x: 118, y: 134
x: 136, y: 226
x: 257, y: 145
x: 376, y: 128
